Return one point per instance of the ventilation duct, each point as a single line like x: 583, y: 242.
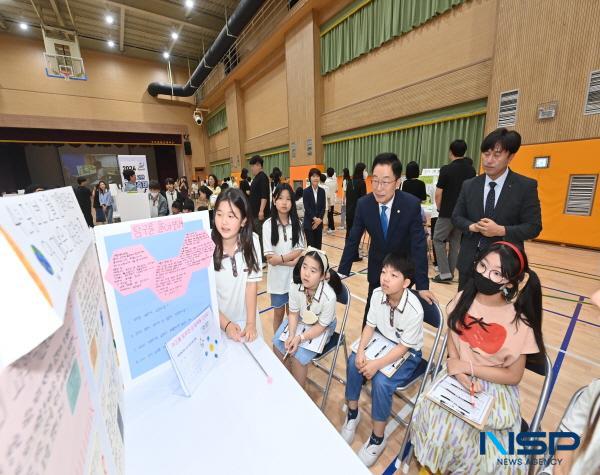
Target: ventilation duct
x: 235, y: 24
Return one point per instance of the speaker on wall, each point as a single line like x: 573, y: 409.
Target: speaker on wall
x: 187, y: 146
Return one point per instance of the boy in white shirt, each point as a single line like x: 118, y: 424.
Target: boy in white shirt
x: 397, y: 314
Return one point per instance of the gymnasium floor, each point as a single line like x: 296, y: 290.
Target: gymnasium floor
x: 571, y: 332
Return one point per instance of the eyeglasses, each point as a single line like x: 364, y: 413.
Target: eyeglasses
x: 385, y: 183
x: 494, y: 275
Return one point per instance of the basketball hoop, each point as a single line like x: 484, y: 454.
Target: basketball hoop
x: 65, y: 71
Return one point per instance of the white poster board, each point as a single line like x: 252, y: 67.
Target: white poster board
x: 138, y: 164
x: 430, y: 177
x: 44, y: 236
x: 132, y: 206
x: 158, y: 278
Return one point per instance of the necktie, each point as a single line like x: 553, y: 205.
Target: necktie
x: 384, y: 221
x: 490, y: 202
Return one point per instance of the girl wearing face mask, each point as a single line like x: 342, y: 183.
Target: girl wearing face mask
x: 494, y: 325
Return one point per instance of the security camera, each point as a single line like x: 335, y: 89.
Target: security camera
x: 198, y: 118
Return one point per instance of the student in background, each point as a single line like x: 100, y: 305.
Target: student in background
x: 188, y: 206
x: 176, y: 207
x: 157, y: 202
x: 412, y: 184
x: 313, y: 293
x: 283, y: 243
x: 129, y: 186
x: 194, y: 189
x: 314, y: 199
x: 213, y: 184
x: 397, y: 314
x: 170, y: 193
x: 184, y: 188
x: 299, y: 202
x: 245, y: 182
x: 206, y: 199
x: 237, y: 262
x: 105, y: 200
x: 493, y: 325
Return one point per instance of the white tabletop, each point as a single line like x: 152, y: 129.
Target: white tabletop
x: 235, y: 423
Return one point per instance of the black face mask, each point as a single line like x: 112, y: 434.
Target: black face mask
x: 485, y: 285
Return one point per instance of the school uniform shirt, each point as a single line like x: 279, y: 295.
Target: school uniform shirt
x: 407, y: 325
x: 323, y: 302
x: 231, y: 290
x: 279, y: 278
x: 492, y: 339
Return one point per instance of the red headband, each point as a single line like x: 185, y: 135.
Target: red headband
x: 517, y: 252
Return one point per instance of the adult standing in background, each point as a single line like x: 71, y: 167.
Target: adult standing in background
x: 345, y: 179
x: 106, y: 201
x: 245, y: 182
x: 497, y: 205
x: 412, y: 184
x: 332, y: 187
x: 314, y: 199
x: 259, y: 195
x: 84, y: 198
x: 184, y: 188
x: 393, y: 220
x: 355, y: 189
x: 448, y: 187
x: 213, y: 184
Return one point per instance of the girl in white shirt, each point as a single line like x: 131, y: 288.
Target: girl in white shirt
x: 237, y: 263
x: 313, y: 295
x: 283, y: 242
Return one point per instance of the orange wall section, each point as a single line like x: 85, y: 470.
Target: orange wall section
x: 566, y: 159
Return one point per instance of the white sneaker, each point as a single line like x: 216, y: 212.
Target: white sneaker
x: 349, y: 429
x: 341, y: 228
x: 329, y: 231
x: 369, y: 453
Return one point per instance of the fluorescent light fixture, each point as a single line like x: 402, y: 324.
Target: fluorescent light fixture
x: 174, y: 35
x: 189, y: 3
x: 23, y: 26
x: 109, y: 19
x: 166, y: 54
x: 111, y: 43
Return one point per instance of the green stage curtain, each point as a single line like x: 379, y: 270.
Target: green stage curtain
x: 274, y: 158
x: 221, y: 169
x: 373, y: 24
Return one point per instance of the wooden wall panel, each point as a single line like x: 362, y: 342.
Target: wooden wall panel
x: 265, y: 103
x: 458, y: 38
x: 263, y: 142
x: 218, y: 141
x: 547, y: 49
x: 219, y: 155
x: 304, y: 84
x: 456, y: 87
x: 235, y: 124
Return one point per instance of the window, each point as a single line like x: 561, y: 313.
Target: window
x: 507, y: 112
x: 580, y: 197
x: 592, y: 99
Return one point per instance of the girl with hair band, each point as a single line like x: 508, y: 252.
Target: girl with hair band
x: 494, y: 326
x: 283, y: 243
x: 237, y: 262
x: 312, y: 299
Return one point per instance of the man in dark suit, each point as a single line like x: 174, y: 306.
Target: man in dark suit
x: 393, y: 220
x: 497, y: 205
x: 314, y: 199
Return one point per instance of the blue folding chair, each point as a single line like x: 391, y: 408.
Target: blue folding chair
x: 333, y: 346
x: 428, y: 367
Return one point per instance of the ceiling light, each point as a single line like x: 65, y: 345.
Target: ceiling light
x: 109, y: 19
x: 189, y: 3
x: 111, y: 43
x: 174, y: 35
x: 166, y: 54
x: 23, y: 26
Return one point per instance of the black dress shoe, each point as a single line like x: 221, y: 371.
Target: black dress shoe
x: 439, y: 280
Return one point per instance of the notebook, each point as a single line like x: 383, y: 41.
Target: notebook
x: 454, y: 397
x: 378, y: 347
x: 316, y: 344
